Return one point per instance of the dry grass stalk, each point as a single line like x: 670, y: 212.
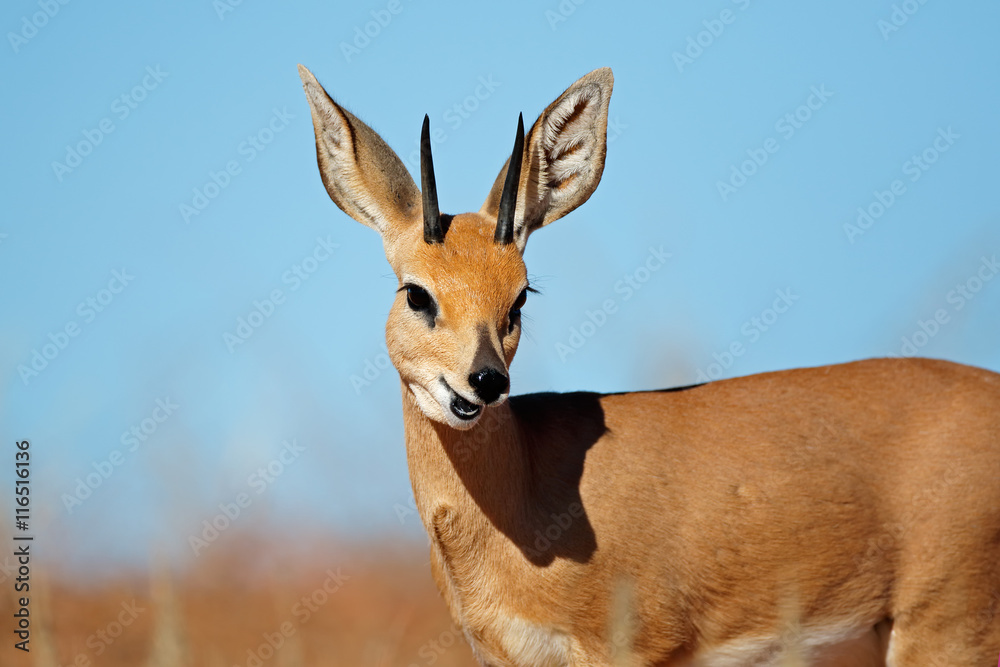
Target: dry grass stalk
x: 169, y: 646
x: 43, y: 648
x: 791, y: 652
x: 622, y: 624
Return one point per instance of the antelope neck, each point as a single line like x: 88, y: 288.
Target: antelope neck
x: 487, y: 465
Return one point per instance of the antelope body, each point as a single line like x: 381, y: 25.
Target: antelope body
x: 848, y: 514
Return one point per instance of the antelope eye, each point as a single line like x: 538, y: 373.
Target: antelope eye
x: 515, y: 311
x: 417, y: 298
x: 519, y: 303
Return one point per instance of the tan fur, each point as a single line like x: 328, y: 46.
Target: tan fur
x: 867, y: 492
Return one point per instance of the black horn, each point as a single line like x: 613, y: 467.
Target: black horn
x: 508, y: 199
x: 433, y: 229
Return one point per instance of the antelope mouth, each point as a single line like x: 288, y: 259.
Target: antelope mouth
x: 464, y: 409
x: 461, y: 407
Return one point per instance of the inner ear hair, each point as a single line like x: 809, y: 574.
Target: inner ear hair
x: 563, y: 158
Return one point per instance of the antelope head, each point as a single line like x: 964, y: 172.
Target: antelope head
x: 455, y: 322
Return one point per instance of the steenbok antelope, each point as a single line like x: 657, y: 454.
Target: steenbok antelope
x: 865, y: 496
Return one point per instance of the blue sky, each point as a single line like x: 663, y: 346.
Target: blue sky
x: 747, y: 139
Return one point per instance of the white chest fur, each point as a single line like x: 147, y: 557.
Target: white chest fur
x: 513, y: 641
x: 498, y: 634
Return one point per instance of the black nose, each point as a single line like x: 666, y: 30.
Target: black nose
x: 489, y: 383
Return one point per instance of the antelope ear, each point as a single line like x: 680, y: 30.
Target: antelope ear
x: 363, y: 176
x: 563, y: 158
